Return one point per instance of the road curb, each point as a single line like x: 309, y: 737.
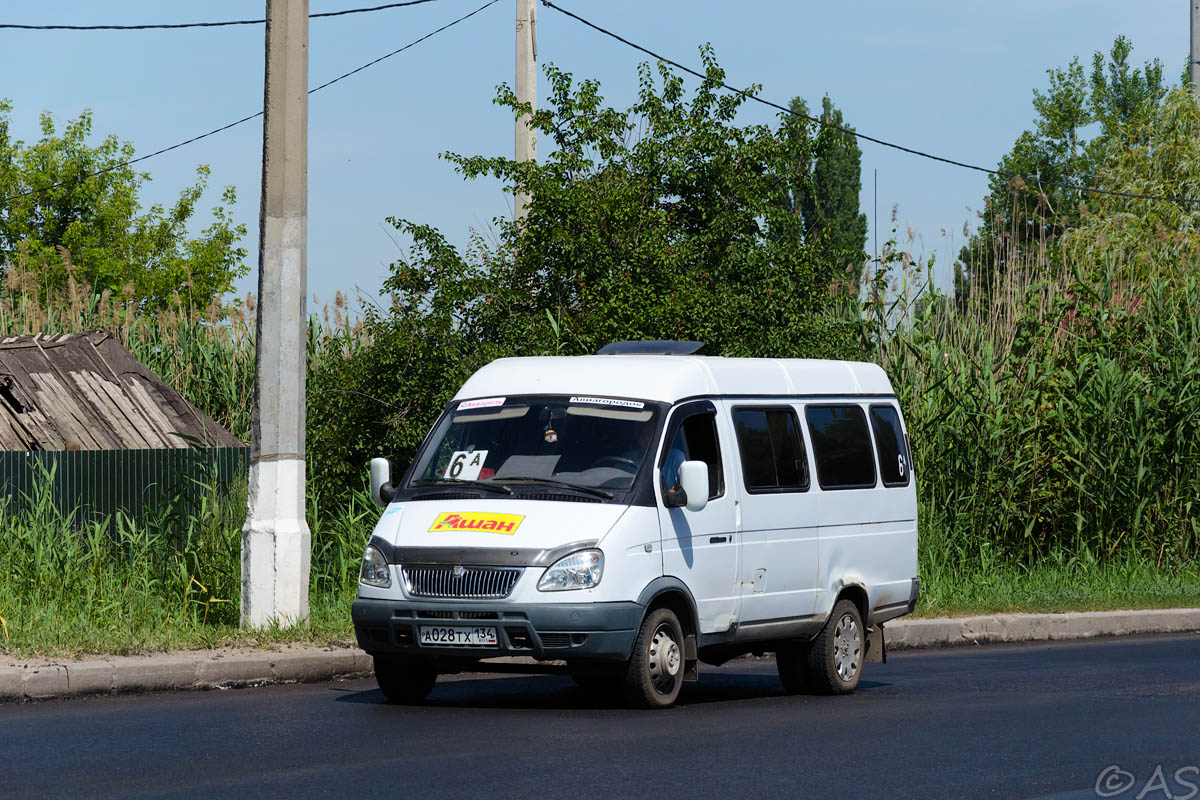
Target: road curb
x: 215, y: 669
x: 200, y: 669
x: 911, y: 634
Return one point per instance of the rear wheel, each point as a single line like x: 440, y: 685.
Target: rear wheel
x: 836, y: 657
x: 654, y: 675
x: 404, y: 681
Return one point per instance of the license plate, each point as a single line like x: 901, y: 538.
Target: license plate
x: 436, y: 635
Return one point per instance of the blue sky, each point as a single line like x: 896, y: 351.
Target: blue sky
x: 954, y: 78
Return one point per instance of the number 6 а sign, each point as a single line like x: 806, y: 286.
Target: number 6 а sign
x: 465, y: 465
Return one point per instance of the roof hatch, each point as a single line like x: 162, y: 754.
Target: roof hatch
x: 650, y: 348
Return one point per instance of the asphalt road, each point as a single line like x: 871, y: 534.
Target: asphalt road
x: 1002, y: 721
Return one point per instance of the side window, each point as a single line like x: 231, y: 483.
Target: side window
x: 894, y: 460
x: 773, y: 457
x: 841, y: 446
x: 695, y: 440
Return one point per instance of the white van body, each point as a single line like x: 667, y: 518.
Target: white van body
x: 758, y: 568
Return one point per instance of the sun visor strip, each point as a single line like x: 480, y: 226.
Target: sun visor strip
x: 478, y: 556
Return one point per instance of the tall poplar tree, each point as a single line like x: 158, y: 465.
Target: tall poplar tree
x: 824, y: 190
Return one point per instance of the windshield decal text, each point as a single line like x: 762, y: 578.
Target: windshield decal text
x: 486, y: 402
x: 609, y: 401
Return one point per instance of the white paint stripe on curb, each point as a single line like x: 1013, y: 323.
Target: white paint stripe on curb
x: 207, y: 669
x: 908, y: 634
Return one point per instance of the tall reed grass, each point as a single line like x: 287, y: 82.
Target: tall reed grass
x: 1054, y: 410
x: 206, y: 354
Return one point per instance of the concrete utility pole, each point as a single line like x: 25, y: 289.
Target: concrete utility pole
x: 1194, y: 64
x: 526, y: 89
x: 276, y: 542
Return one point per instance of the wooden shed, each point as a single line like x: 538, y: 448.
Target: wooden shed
x: 112, y: 434
x: 85, y: 391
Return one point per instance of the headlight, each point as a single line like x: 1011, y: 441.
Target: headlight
x: 375, y: 570
x: 580, y: 570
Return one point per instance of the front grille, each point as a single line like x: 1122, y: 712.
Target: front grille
x: 556, y: 640
x: 477, y: 583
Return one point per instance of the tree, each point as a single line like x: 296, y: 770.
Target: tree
x: 1022, y: 222
x: 70, y: 207
x: 824, y: 191
x: 1162, y: 158
x: 655, y: 222
x: 660, y: 221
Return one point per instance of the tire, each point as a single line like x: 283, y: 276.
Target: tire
x: 654, y: 674
x: 836, y: 657
x: 404, y: 681
x: 791, y: 660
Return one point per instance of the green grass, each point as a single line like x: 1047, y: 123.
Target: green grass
x: 151, y: 626
x: 1053, y: 587
x: 121, y: 587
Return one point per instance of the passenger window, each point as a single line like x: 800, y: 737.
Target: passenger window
x: 841, y: 446
x: 773, y: 457
x: 894, y: 461
x: 695, y: 440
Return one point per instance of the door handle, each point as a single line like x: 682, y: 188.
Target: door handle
x: 717, y: 539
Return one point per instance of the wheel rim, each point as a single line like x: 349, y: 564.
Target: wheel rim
x: 847, y: 647
x: 665, y: 660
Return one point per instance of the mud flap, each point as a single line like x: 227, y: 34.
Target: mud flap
x: 876, y: 646
x: 691, y: 663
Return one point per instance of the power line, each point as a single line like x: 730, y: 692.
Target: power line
x: 221, y: 24
x: 429, y: 35
x: 827, y: 124
x: 255, y: 115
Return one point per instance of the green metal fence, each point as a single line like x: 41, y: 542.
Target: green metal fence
x: 102, y: 482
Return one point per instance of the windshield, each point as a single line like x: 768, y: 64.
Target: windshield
x: 593, y: 442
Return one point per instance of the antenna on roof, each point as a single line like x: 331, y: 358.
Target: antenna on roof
x: 650, y: 348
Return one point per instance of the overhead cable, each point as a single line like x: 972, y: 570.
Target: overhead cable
x: 851, y: 132
x: 220, y: 24
x: 255, y: 115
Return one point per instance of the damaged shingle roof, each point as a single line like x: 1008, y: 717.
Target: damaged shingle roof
x: 85, y: 391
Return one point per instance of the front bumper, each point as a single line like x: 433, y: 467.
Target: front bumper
x: 585, y: 631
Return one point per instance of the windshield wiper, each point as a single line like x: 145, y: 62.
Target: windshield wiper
x: 563, y: 485
x: 491, y: 487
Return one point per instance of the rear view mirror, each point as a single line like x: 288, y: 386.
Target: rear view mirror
x: 693, y: 480
x: 382, y: 490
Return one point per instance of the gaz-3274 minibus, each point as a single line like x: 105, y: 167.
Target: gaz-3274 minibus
x: 631, y: 514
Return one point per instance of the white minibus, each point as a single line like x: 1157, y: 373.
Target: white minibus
x: 627, y: 515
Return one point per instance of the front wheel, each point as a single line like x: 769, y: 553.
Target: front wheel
x: 404, y: 681
x: 654, y: 675
x: 836, y: 657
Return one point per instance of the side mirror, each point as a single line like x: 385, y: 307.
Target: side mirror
x: 382, y: 490
x: 693, y: 480
x: 693, y: 489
